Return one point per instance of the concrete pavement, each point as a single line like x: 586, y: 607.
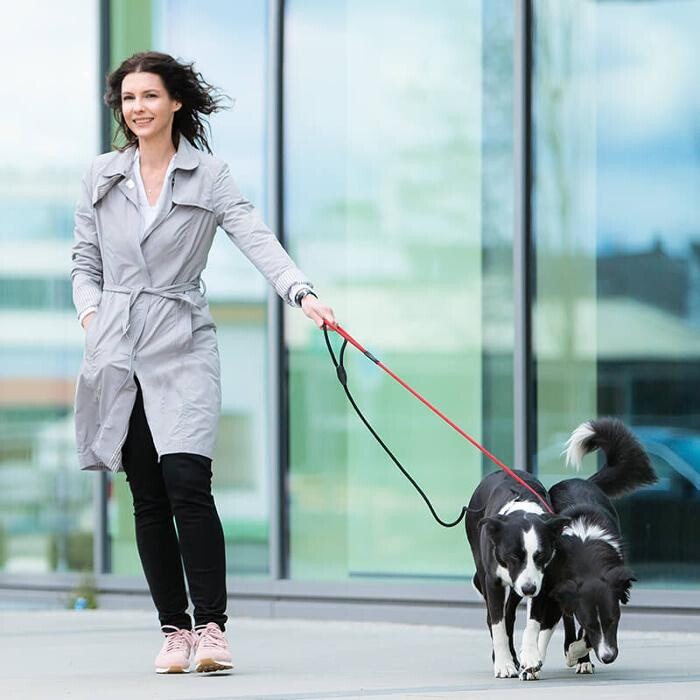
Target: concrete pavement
x: 108, y: 654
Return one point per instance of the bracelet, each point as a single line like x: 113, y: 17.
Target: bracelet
x: 300, y: 295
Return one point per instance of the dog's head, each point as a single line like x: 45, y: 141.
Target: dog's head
x: 523, y: 544
x: 595, y: 602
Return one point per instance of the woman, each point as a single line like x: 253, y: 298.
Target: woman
x: 148, y: 394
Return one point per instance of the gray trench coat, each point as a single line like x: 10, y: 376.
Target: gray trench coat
x: 152, y: 319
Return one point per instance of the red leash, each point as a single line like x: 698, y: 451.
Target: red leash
x: 342, y: 332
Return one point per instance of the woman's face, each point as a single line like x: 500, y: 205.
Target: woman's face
x: 147, y: 107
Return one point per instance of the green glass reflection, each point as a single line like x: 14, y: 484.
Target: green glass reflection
x: 384, y: 210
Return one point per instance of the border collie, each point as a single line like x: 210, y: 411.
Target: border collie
x: 512, y: 539
x: 588, y: 578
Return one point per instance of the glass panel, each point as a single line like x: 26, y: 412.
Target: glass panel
x: 228, y: 42
x: 616, y: 217
x: 50, y: 134
x: 393, y: 208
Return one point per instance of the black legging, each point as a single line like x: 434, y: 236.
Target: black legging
x: 179, y: 485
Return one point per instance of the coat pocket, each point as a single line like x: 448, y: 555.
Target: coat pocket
x: 91, y: 336
x: 201, y: 317
x: 181, y: 334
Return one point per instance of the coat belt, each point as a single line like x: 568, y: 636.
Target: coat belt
x: 173, y: 291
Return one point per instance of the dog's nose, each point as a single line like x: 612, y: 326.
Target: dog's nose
x: 609, y: 656
x: 529, y: 589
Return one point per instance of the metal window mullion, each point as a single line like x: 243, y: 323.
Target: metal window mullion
x: 522, y: 243
x: 276, y: 373
x: 101, y: 559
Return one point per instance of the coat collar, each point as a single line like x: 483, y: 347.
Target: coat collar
x: 119, y: 167
x: 186, y: 158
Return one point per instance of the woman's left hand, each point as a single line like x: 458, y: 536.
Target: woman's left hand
x: 316, y: 311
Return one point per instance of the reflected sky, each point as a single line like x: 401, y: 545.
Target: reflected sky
x: 648, y: 124
x: 50, y: 109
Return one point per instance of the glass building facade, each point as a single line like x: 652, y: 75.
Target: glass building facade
x: 500, y: 199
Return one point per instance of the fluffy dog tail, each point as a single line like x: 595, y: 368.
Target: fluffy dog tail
x: 627, y: 465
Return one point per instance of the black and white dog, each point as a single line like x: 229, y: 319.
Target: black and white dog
x: 588, y: 578
x: 512, y: 539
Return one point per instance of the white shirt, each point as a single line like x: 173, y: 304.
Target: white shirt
x: 149, y: 212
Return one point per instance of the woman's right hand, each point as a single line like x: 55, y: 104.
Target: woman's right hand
x: 88, y: 320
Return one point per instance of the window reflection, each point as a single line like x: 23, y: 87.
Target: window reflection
x: 46, y: 510
x: 388, y: 141
x: 617, y: 231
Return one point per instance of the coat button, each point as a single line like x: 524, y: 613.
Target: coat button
x: 130, y: 184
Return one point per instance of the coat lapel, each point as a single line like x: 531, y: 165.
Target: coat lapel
x: 127, y: 186
x: 114, y: 172
x: 185, y: 185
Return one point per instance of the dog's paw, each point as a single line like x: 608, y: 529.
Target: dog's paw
x: 585, y: 668
x: 505, y: 669
x: 577, y: 650
x: 530, y: 664
x: 529, y: 674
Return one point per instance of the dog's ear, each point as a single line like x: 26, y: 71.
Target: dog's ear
x: 557, y: 523
x: 620, y: 578
x: 566, y: 594
x: 492, y: 526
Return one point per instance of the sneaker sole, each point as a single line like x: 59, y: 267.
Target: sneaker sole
x: 212, y: 665
x: 172, y: 669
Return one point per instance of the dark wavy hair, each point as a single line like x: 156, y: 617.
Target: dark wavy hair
x: 183, y: 83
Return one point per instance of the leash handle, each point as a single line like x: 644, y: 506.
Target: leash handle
x: 343, y: 379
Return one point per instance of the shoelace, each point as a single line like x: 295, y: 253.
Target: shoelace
x: 211, y: 636
x: 180, y: 639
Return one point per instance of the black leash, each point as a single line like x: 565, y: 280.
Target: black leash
x: 343, y: 379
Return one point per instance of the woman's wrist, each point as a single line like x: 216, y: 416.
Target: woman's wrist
x: 86, y: 312
x: 302, y: 293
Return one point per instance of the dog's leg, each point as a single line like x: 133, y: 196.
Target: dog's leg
x: 552, y: 615
x: 530, y: 659
x: 511, y: 604
x: 575, y: 648
x: 503, y: 666
x: 543, y: 639
x: 569, y: 638
x: 584, y: 665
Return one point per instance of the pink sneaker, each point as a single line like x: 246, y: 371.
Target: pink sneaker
x: 174, y: 656
x: 213, y: 653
